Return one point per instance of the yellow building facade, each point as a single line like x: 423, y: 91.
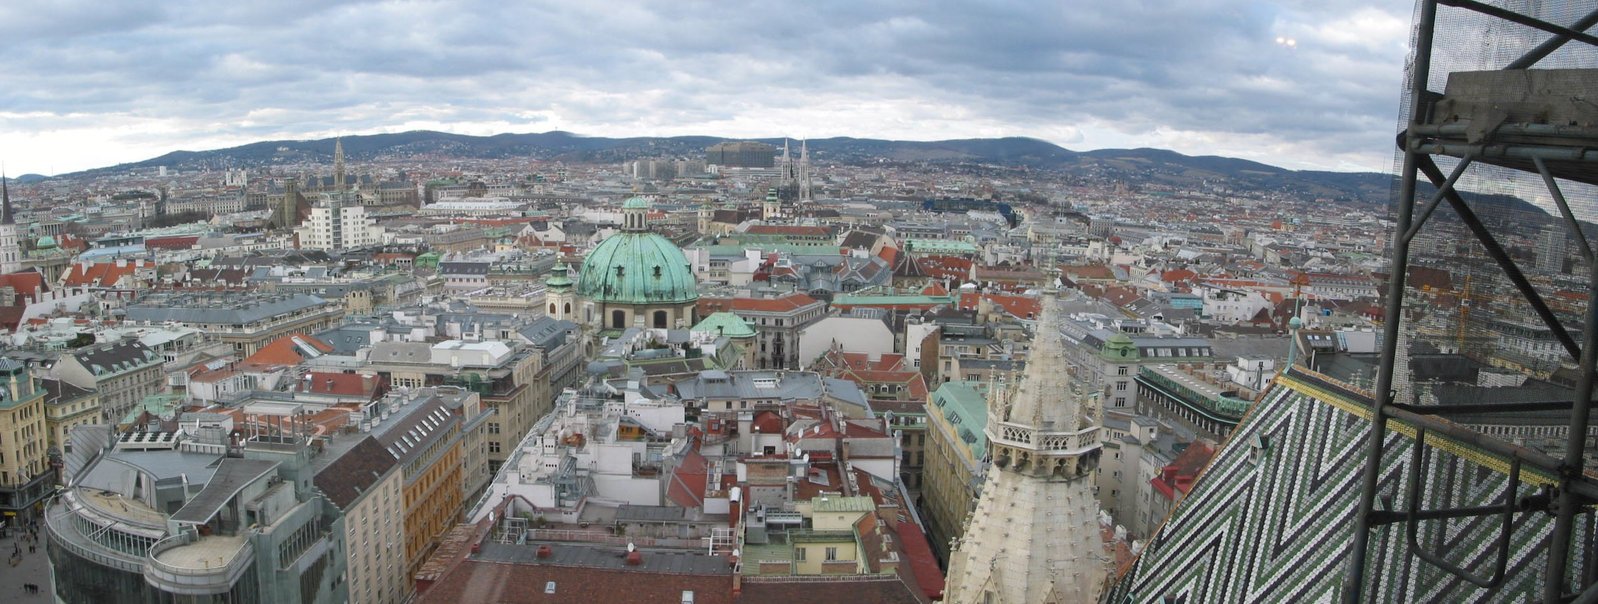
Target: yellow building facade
x: 26, y: 475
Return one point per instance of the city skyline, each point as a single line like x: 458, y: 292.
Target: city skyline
x: 1299, y: 85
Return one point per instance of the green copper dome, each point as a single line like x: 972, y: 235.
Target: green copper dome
x: 727, y: 324
x: 1119, y: 348
x: 635, y: 203
x: 637, y: 268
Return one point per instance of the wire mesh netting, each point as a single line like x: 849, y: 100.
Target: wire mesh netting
x: 1472, y: 336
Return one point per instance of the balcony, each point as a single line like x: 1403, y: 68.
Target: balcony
x: 188, y: 564
x: 62, y: 533
x: 1045, y: 441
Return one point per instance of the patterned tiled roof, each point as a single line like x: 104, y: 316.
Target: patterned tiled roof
x: 1285, y: 489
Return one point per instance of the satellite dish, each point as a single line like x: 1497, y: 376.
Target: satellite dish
x: 631, y: 547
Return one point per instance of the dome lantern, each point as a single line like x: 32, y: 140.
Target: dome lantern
x: 635, y: 215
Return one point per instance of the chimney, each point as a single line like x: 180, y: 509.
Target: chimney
x: 545, y: 551
x: 635, y: 558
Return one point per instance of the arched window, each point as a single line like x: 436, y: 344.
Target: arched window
x: 568, y: 308
x: 660, y: 319
x: 618, y: 319
x: 551, y: 308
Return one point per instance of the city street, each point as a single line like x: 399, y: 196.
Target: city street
x: 35, y: 569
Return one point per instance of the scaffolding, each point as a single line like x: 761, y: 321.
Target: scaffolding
x: 1516, y: 118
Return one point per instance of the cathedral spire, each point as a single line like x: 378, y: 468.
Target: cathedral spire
x: 1035, y: 535
x: 1042, y: 400
x: 6, y: 215
x: 804, y: 170
x: 338, y: 164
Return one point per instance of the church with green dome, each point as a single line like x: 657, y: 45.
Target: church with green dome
x: 634, y: 278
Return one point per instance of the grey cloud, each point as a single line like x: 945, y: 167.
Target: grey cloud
x: 1206, y: 66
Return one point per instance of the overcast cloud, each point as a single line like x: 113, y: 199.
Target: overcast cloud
x: 88, y: 83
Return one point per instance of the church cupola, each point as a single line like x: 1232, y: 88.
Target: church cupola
x: 635, y: 215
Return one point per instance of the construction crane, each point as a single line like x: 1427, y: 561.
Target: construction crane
x: 1464, y: 315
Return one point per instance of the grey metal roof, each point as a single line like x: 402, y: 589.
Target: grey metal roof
x: 751, y: 385
x: 348, y: 338
x: 107, y: 359
x: 232, y: 310
x: 650, y: 513
x: 232, y: 475
x: 547, y: 333
x: 463, y: 268
x: 401, y: 352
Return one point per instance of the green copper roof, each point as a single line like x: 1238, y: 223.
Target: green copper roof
x: 941, y: 246
x: 726, y: 324
x: 821, y: 503
x: 964, y: 407
x: 635, y: 203
x: 1119, y: 348
x: 559, y: 278
x: 637, y: 268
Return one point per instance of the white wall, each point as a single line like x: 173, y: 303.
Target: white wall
x: 852, y: 334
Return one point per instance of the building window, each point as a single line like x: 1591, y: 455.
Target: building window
x: 660, y: 319
x: 493, y: 447
x: 832, y: 554
x: 799, y: 554
x: 493, y: 427
x: 1122, y: 370
x: 1121, y: 386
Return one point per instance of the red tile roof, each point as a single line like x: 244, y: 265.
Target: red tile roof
x: 923, y: 564
x: 788, y: 303
x: 887, y: 590
x: 24, y: 284
x: 1022, y: 307
x: 1088, y: 272
x: 339, y: 384
x: 1182, y: 472
x: 178, y: 242
x: 510, y: 583
x: 1181, y: 274
x: 284, y: 351
x: 102, y: 274
x: 687, y: 485
x: 768, y: 422
x: 945, y: 267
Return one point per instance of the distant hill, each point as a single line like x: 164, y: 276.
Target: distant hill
x: 1132, y: 165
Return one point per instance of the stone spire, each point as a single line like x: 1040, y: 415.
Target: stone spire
x: 1038, y: 400
x: 787, y: 164
x: 10, y: 245
x: 1034, y: 536
x: 804, y: 170
x: 6, y: 215
x: 338, y: 165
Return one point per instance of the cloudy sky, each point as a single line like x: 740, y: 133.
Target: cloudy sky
x: 1302, y: 84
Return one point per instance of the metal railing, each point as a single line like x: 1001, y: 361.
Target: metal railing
x: 192, y: 579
